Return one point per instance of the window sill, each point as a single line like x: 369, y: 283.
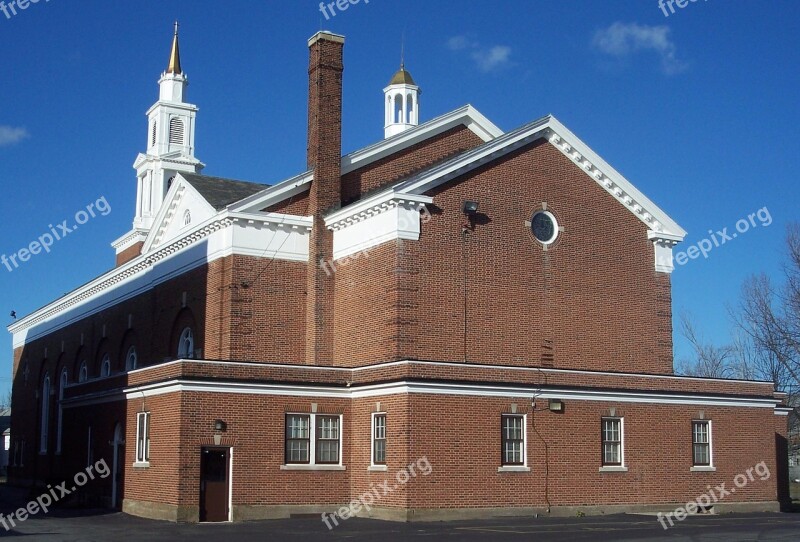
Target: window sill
x: 703, y: 469
x: 377, y: 468
x: 313, y: 467
x: 141, y: 464
x: 514, y: 468
x: 613, y: 469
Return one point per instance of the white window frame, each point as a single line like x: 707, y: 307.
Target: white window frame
x: 515, y: 468
x: 44, y: 429
x: 622, y: 467
x: 373, y: 435
x: 710, y: 467
x: 312, y: 457
x: 142, y: 458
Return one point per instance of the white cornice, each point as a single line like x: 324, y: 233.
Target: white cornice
x: 129, y: 239
x: 437, y: 388
x: 467, y: 116
x: 222, y: 220
x: 364, y: 209
x: 560, y: 137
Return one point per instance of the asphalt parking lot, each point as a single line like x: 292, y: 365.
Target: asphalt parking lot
x: 88, y: 525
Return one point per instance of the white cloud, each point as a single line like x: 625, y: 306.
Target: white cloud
x: 624, y: 39
x: 457, y: 43
x: 492, y: 58
x: 487, y: 59
x: 10, y: 135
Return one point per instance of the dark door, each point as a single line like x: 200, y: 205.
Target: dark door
x: 214, y: 483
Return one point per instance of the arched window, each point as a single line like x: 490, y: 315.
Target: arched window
x: 175, y: 131
x: 187, y: 217
x: 83, y: 372
x: 61, y: 385
x: 131, y: 359
x: 45, y: 427
x: 105, y: 366
x: 411, y: 106
x: 398, y: 109
x: 186, y: 344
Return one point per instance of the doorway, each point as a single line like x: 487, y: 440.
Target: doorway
x: 215, y: 484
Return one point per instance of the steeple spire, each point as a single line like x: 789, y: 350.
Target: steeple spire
x: 175, y: 55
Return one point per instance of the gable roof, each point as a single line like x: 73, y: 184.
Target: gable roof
x: 466, y: 116
x: 548, y: 128
x: 220, y: 192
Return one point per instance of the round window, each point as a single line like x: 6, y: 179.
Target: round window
x: 544, y: 227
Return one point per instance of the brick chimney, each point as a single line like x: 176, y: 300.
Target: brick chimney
x: 324, y: 157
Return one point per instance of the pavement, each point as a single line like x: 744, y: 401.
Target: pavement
x: 64, y: 525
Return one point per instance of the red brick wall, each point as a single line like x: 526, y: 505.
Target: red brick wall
x: 460, y: 437
x: 129, y: 253
x: 295, y: 205
x: 160, y: 482
x: 592, y: 301
x: 403, y: 164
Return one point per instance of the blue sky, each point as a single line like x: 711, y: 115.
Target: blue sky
x: 699, y: 110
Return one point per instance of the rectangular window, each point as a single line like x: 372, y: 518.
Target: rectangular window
x: 328, y: 440
x: 513, y: 439
x: 298, y: 439
x: 313, y: 439
x: 143, y: 437
x: 379, y: 439
x: 701, y: 443
x: 612, y: 441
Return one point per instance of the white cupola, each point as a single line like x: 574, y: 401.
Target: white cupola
x: 170, y: 141
x: 401, y: 100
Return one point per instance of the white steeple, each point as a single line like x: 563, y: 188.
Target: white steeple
x: 170, y: 141
x: 401, y: 102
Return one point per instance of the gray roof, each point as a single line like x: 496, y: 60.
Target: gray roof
x: 219, y: 192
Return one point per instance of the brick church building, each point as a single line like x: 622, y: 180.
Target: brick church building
x: 477, y: 322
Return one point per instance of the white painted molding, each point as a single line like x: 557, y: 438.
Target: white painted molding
x: 438, y: 388
x: 129, y: 239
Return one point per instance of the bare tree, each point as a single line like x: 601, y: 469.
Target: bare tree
x: 709, y: 360
x: 769, y: 316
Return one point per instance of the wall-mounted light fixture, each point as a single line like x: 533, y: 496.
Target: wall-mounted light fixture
x: 220, y: 425
x: 469, y: 208
x: 556, y: 405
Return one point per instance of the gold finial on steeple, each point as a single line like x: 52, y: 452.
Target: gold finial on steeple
x: 175, y: 55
